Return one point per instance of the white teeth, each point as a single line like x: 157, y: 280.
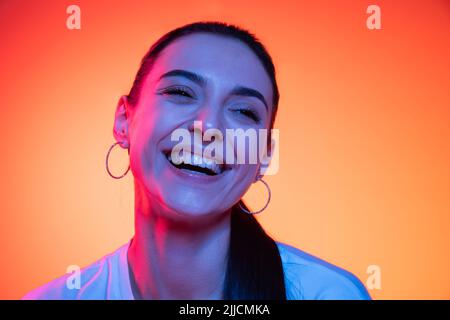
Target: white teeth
x: 196, y: 160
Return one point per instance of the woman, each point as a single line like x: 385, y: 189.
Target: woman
x: 194, y: 237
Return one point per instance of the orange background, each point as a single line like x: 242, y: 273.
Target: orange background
x: 364, y: 133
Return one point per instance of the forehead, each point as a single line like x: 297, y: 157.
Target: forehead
x: 224, y: 61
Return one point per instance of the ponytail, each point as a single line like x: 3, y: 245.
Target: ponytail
x: 254, y: 270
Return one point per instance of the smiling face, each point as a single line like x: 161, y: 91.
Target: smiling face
x: 200, y: 77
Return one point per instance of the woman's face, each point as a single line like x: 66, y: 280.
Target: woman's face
x: 173, y: 101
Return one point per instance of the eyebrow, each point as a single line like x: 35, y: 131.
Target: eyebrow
x: 249, y: 92
x: 194, y: 77
x: 185, y: 74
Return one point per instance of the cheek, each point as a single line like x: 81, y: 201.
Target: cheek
x: 152, y: 124
x: 144, y: 135
x: 245, y: 175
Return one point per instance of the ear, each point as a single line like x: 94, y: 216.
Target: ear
x: 266, y: 159
x: 120, y: 129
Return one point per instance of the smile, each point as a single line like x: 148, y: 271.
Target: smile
x: 194, y: 163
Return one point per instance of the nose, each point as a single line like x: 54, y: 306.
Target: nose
x: 210, y: 117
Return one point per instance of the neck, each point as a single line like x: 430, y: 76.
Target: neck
x: 174, y: 257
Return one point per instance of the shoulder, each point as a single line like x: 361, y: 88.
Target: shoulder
x: 94, y: 281
x: 308, y: 277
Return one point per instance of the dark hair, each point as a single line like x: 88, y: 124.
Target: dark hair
x: 254, y: 270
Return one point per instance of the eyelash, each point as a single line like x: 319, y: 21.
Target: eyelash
x: 249, y: 113
x: 177, y: 91
x: 181, y: 92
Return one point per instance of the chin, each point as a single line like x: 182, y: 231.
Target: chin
x: 193, y: 204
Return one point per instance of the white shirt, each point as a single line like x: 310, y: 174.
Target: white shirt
x: 306, y: 277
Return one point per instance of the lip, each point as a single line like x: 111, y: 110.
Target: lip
x: 224, y: 163
x: 193, y: 176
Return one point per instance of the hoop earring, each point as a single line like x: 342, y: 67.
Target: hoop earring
x: 267, y: 203
x: 107, y: 167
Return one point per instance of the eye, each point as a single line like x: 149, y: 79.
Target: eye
x: 177, y: 91
x: 249, y: 113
